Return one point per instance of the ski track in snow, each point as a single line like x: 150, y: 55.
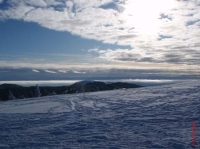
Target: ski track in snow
x: 143, y: 118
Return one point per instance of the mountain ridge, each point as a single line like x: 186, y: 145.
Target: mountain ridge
x: 9, y: 86
x: 21, y: 92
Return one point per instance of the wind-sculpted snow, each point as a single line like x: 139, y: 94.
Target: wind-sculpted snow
x: 143, y: 118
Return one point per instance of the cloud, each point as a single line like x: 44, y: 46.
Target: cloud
x: 152, y: 29
x: 186, y: 57
x: 93, y: 50
x: 119, y: 55
x: 111, y: 64
x: 49, y: 71
x: 53, y: 2
x: 126, y: 55
x: 38, y: 3
x: 78, y: 72
x: 107, y: 74
x: 1, y: 1
x: 34, y: 70
x: 62, y: 71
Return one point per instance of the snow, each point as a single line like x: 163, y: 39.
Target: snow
x: 142, y: 118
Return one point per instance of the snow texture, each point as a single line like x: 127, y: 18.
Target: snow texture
x: 142, y: 118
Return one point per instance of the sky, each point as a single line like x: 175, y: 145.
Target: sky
x: 99, y: 39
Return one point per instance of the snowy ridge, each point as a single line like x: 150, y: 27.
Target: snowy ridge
x: 142, y: 118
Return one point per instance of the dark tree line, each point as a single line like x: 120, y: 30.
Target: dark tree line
x: 20, y: 92
x: 12, y: 91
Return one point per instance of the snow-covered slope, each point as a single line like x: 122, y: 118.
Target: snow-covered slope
x: 142, y: 118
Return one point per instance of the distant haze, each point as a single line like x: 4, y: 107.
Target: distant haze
x: 144, y: 82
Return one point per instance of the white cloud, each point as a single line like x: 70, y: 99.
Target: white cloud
x: 93, y: 50
x: 49, y: 71
x: 16, y: 12
x: 1, y: 1
x: 34, y: 70
x: 62, y: 71
x: 152, y: 28
x: 78, y: 72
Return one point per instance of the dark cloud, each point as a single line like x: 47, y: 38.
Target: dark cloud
x: 165, y: 16
x: 147, y: 59
x: 192, y: 22
x: 180, y: 47
x: 113, y: 6
x: 125, y: 37
x: 161, y: 37
x: 76, y: 22
x: 196, y: 45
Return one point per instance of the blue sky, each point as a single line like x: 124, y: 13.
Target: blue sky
x: 93, y: 39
